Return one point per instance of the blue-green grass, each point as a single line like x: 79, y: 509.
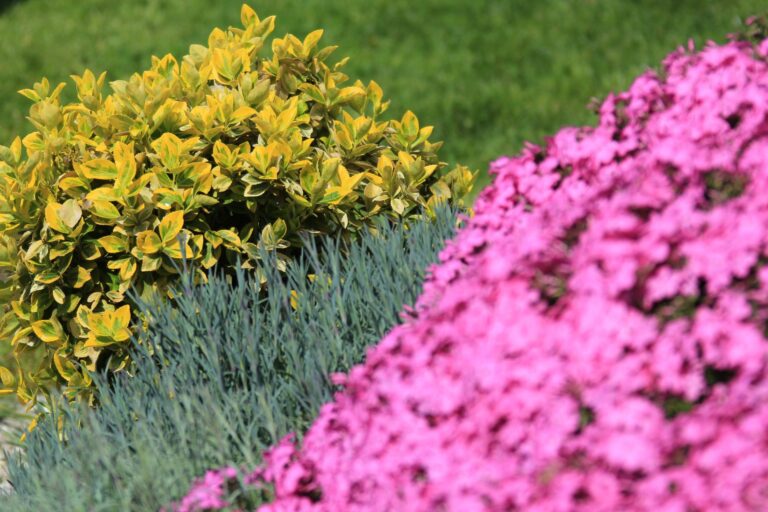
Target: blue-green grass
x: 223, y: 374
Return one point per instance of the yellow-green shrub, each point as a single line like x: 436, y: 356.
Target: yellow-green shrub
x: 211, y: 158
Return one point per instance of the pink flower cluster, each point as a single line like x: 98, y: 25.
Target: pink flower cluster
x: 593, y: 340
x: 209, y: 492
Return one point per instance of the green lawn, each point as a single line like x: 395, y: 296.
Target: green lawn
x: 489, y: 74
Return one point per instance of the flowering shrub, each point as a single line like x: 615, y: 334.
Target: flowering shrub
x: 595, y: 337
x: 215, y: 490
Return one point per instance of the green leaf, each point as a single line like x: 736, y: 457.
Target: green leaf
x: 279, y: 228
x: 229, y: 237
x: 151, y: 263
x: 90, y: 250
x: 273, y: 234
x: 47, y: 277
x: 329, y: 198
x: 308, y: 179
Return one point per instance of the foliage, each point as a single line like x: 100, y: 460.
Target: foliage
x: 488, y: 74
x: 755, y: 29
x: 594, y: 340
x: 212, y: 158
x: 226, y: 373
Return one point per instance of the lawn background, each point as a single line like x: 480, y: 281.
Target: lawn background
x: 489, y: 74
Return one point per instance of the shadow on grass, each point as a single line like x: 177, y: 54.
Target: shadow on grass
x: 7, y: 4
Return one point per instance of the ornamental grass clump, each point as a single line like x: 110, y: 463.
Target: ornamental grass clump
x: 211, y: 158
x: 593, y: 340
x: 225, y: 371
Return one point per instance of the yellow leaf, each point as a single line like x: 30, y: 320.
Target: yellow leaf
x: 113, y: 244
x: 229, y: 236
x: 173, y: 250
x: 105, y: 210
x: 53, y: 219
x: 171, y: 226
x: 70, y: 213
x: 348, y: 94
x: 261, y: 157
x: 94, y: 340
x: 99, y: 169
x: 122, y: 335
x: 34, y: 142
x: 398, y: 205
x: 125, y: 163
x: 150, y: 263
x: 226, y: 64
x: 103, y: 194
x: 90, y: 250
x: 30, y: 94
x: 377, y: 180
x: 58, y: 295
x: 311, y: 41
x: 21, y: 335
x: 405, y: 158
x: 123, y: 316
x: 83, y: 276
x: 410, y: 124
x: 248, y: 16
x: 148, y: 242
x: 47, y: 277
x: 375, y: 93
x: 330, y: 168
x: 223, y: 156
x: 73, y: 186
x: 6, y: 377
x: 128, y: 269
x: 63, y: 366
x: 213, y: 238
x: 347, y: 182
x: 49, y: 331
x: 16, y: 149
x: 139, y: 184
x: 241, y: 114
x: 168, y: 147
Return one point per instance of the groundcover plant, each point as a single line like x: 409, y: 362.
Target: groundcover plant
x: 225, y: 372
x: 594, y: 339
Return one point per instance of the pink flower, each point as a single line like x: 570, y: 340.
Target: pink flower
x: 594, y: 339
